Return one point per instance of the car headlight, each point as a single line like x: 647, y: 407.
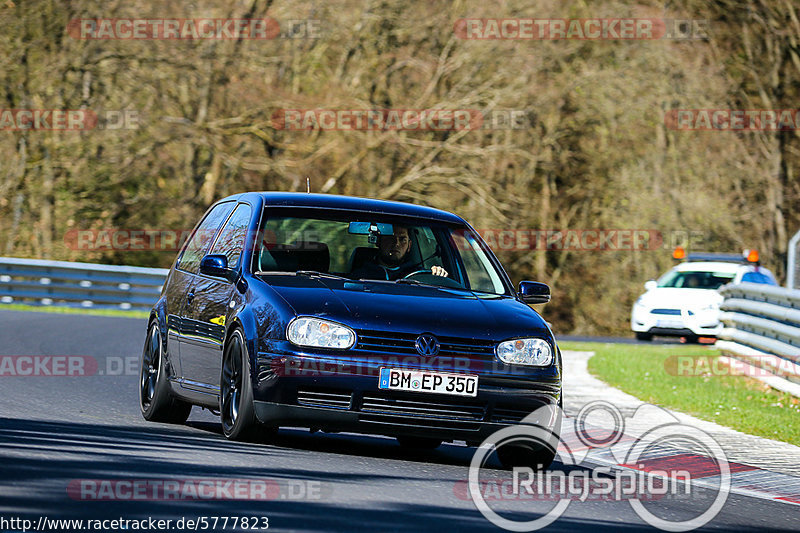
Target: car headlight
x: 532, y: 352
x: 319, y: 333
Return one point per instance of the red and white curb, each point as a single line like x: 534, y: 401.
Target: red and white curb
x: 746, y: 480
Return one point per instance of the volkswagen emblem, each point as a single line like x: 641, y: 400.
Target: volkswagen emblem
x: 427, y: 345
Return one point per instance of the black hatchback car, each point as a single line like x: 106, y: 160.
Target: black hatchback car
x: 348, y: 314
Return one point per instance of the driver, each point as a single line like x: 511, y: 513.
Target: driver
x: 393, y: 251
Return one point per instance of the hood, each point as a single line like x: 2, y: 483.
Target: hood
x: 672, y: 298
x: 409, y: 308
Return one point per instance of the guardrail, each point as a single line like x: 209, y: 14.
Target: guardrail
x: 762, y: 326
x: 86, y: 285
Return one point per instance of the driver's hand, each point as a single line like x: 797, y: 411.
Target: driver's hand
x: 439, y: 271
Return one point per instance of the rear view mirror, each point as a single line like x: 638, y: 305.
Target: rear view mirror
x: 373, y: 229
x: 534, y: 292
x: 370, y: 228
x: 650, y: 285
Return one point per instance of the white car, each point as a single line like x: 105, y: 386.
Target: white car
x: 685, y: 302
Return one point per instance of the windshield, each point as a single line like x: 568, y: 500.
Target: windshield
x: 695, y: 279
x: 369, y: 247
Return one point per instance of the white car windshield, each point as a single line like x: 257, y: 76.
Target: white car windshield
x: 695, y: 279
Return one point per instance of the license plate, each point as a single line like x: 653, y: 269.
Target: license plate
x: 433, y: 382
x: 669, y: 324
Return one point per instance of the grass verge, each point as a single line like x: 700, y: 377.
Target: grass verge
x: 649, y: 373
x: 74, y: 310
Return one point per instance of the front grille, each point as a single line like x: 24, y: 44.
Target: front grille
x: 510, y: 415
x: 326, y: 399
x: 425, y: 409
x: 411, y: 410
x: 403, y: 343
x: 433, y: 423
x: 671, y: 312
x: 432, y: 413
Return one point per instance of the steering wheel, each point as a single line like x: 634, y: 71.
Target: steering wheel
x: 416, y: 272
x: 431, y: 279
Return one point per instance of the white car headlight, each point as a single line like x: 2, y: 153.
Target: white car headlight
x: 320, y: 333
x: 532, y: 352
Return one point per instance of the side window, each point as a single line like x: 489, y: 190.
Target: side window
x: 201, y: 238
x: 231, y: 239
x: 426, y: 241
x: 481, y: 275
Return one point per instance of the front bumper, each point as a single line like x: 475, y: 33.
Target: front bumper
x: 318, y: 395
x: 701, y: 323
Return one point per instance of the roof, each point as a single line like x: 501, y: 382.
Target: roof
x: 332, y: 201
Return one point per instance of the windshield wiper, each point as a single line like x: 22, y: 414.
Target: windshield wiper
x: 312, y: 273
x: 309, y: 273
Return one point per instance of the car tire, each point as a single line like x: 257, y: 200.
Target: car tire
x: 536, y: 457
x: 155, y: 400
x: 512, y: 456
x: 236, y: 408
x: 642, y: 336
x: 419, y: 443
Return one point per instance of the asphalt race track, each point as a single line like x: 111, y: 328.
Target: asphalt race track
x: 56, y: 431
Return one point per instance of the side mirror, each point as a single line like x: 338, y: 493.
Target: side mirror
x: 216, y: 266
x: 533, y: 292
x: 650, y: 285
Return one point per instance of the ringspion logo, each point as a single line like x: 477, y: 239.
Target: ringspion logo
x: 648, y: 467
